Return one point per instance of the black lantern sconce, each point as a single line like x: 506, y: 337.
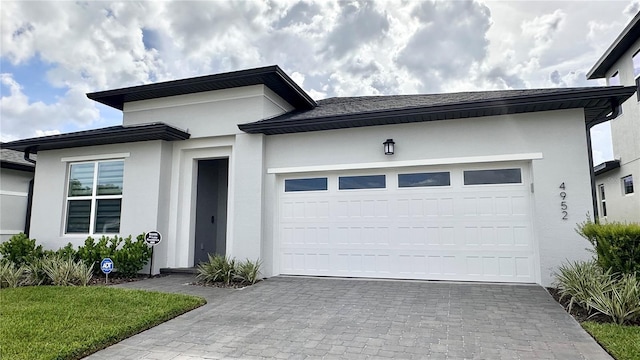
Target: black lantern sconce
x: 389, y: 146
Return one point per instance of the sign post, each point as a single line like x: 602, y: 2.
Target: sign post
x: 152, y: 238
x: 106, y: 265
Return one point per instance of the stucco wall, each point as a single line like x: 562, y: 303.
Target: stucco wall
x: 625, y: 134
x: 142, y: 199
x: 620, y: 206
x: 559, y: 135
x: 14, y: 188
x: 211, y: 113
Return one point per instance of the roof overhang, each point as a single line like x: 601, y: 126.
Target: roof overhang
x: 597, y: 103
x: 606, y: 167
x: 104, y: 136
x: 623, y: 42
x: 271, y: 76
x: 16, y: 166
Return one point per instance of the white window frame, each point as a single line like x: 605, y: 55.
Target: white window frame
x: 603, y: 200
x: 93, y: 197
x: 624, y: 189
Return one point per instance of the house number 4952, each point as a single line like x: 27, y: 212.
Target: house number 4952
x: 563, y: 202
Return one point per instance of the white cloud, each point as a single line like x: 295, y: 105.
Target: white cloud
x: 331, y: 48
x: 22, y: 118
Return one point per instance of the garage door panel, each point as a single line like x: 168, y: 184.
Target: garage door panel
x: 456, y: 232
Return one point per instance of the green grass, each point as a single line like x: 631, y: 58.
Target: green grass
x: 623, y: 342
x: 51, y: 322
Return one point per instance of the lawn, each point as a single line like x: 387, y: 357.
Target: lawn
x: 623, y: 342
x: 50, y: 322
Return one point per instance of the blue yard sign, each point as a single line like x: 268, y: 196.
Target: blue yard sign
x: 106, y: 265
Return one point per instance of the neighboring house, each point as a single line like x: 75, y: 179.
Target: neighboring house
x: 16, y: 182
x: 480, y: 186
x: 617, y: 180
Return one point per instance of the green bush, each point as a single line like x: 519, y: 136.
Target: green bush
x: 93, y: 252
x: 132, y: 256
x: 20, y: 250
x: 129, y: 257
x: 617, y: 245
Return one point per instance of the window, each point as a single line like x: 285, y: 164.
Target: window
x: 497, y: 176
x: 424, y: 179
x: 614, y: 80
x: 636, y: 64
x: 313, y: 184
x: 362, y: 182
x: 94, y: 197
x: 603, y: 201
x: 627, y: 184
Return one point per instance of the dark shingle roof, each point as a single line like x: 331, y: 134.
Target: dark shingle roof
x: 109, y: 135
x: 616, y: 50
x: 271, y: 76
x: 12, y: 159
x: 336, y: 113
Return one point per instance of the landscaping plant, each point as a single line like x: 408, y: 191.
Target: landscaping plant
x: 220, y: 268
x: 579, y: 280
x: 11, y: 275
x: 616, y: 244
x: 620, y: 301
x: 249, y: 271
x: 132, y: 256
x: 67, y: 272
x: 20, y: 250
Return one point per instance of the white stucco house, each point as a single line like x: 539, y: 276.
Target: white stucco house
x: 478, y: 186
x: 617, y: 180
x: 16, y: 184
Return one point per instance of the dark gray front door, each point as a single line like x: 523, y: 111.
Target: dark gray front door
x: 211, y: 208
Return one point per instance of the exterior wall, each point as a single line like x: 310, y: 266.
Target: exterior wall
x: 211, y: 113
x: 559, y: 135
x: 620, y: 207
x: 14, y: 189
x: 143, y: 202
x: 625, y: 134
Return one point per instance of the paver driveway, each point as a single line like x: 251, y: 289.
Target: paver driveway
x: 298, y: 318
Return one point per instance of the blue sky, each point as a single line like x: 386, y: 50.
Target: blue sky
x: 53, y: 53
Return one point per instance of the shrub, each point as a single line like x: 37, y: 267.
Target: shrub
x: 19, y: 249
x: 579, y: 280
x: 617, y: 245
x: 93, y: 252
x: 34, y: 273
x: 67, y: 272
x: 132, y: 257
x: 621, y: 302
x: 248, y: 271
x: 218, y: 268
x: 11, y: 275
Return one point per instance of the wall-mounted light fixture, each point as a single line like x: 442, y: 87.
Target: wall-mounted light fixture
x: 389, y: 147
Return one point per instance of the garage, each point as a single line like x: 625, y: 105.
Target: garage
x: 468, y: 222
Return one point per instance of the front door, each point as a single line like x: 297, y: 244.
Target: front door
x: 211, y: 208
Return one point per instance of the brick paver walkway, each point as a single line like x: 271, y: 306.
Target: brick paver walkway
x: 317, y: 318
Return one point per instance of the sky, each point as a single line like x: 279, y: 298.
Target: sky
x: 54, y: 52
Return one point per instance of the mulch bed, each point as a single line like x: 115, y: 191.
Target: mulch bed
x: 579, y: 313
x: 114, y: 279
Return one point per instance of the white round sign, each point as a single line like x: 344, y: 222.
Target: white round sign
x: 153, y: 238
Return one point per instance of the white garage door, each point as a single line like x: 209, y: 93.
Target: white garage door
x: 447, y: 223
